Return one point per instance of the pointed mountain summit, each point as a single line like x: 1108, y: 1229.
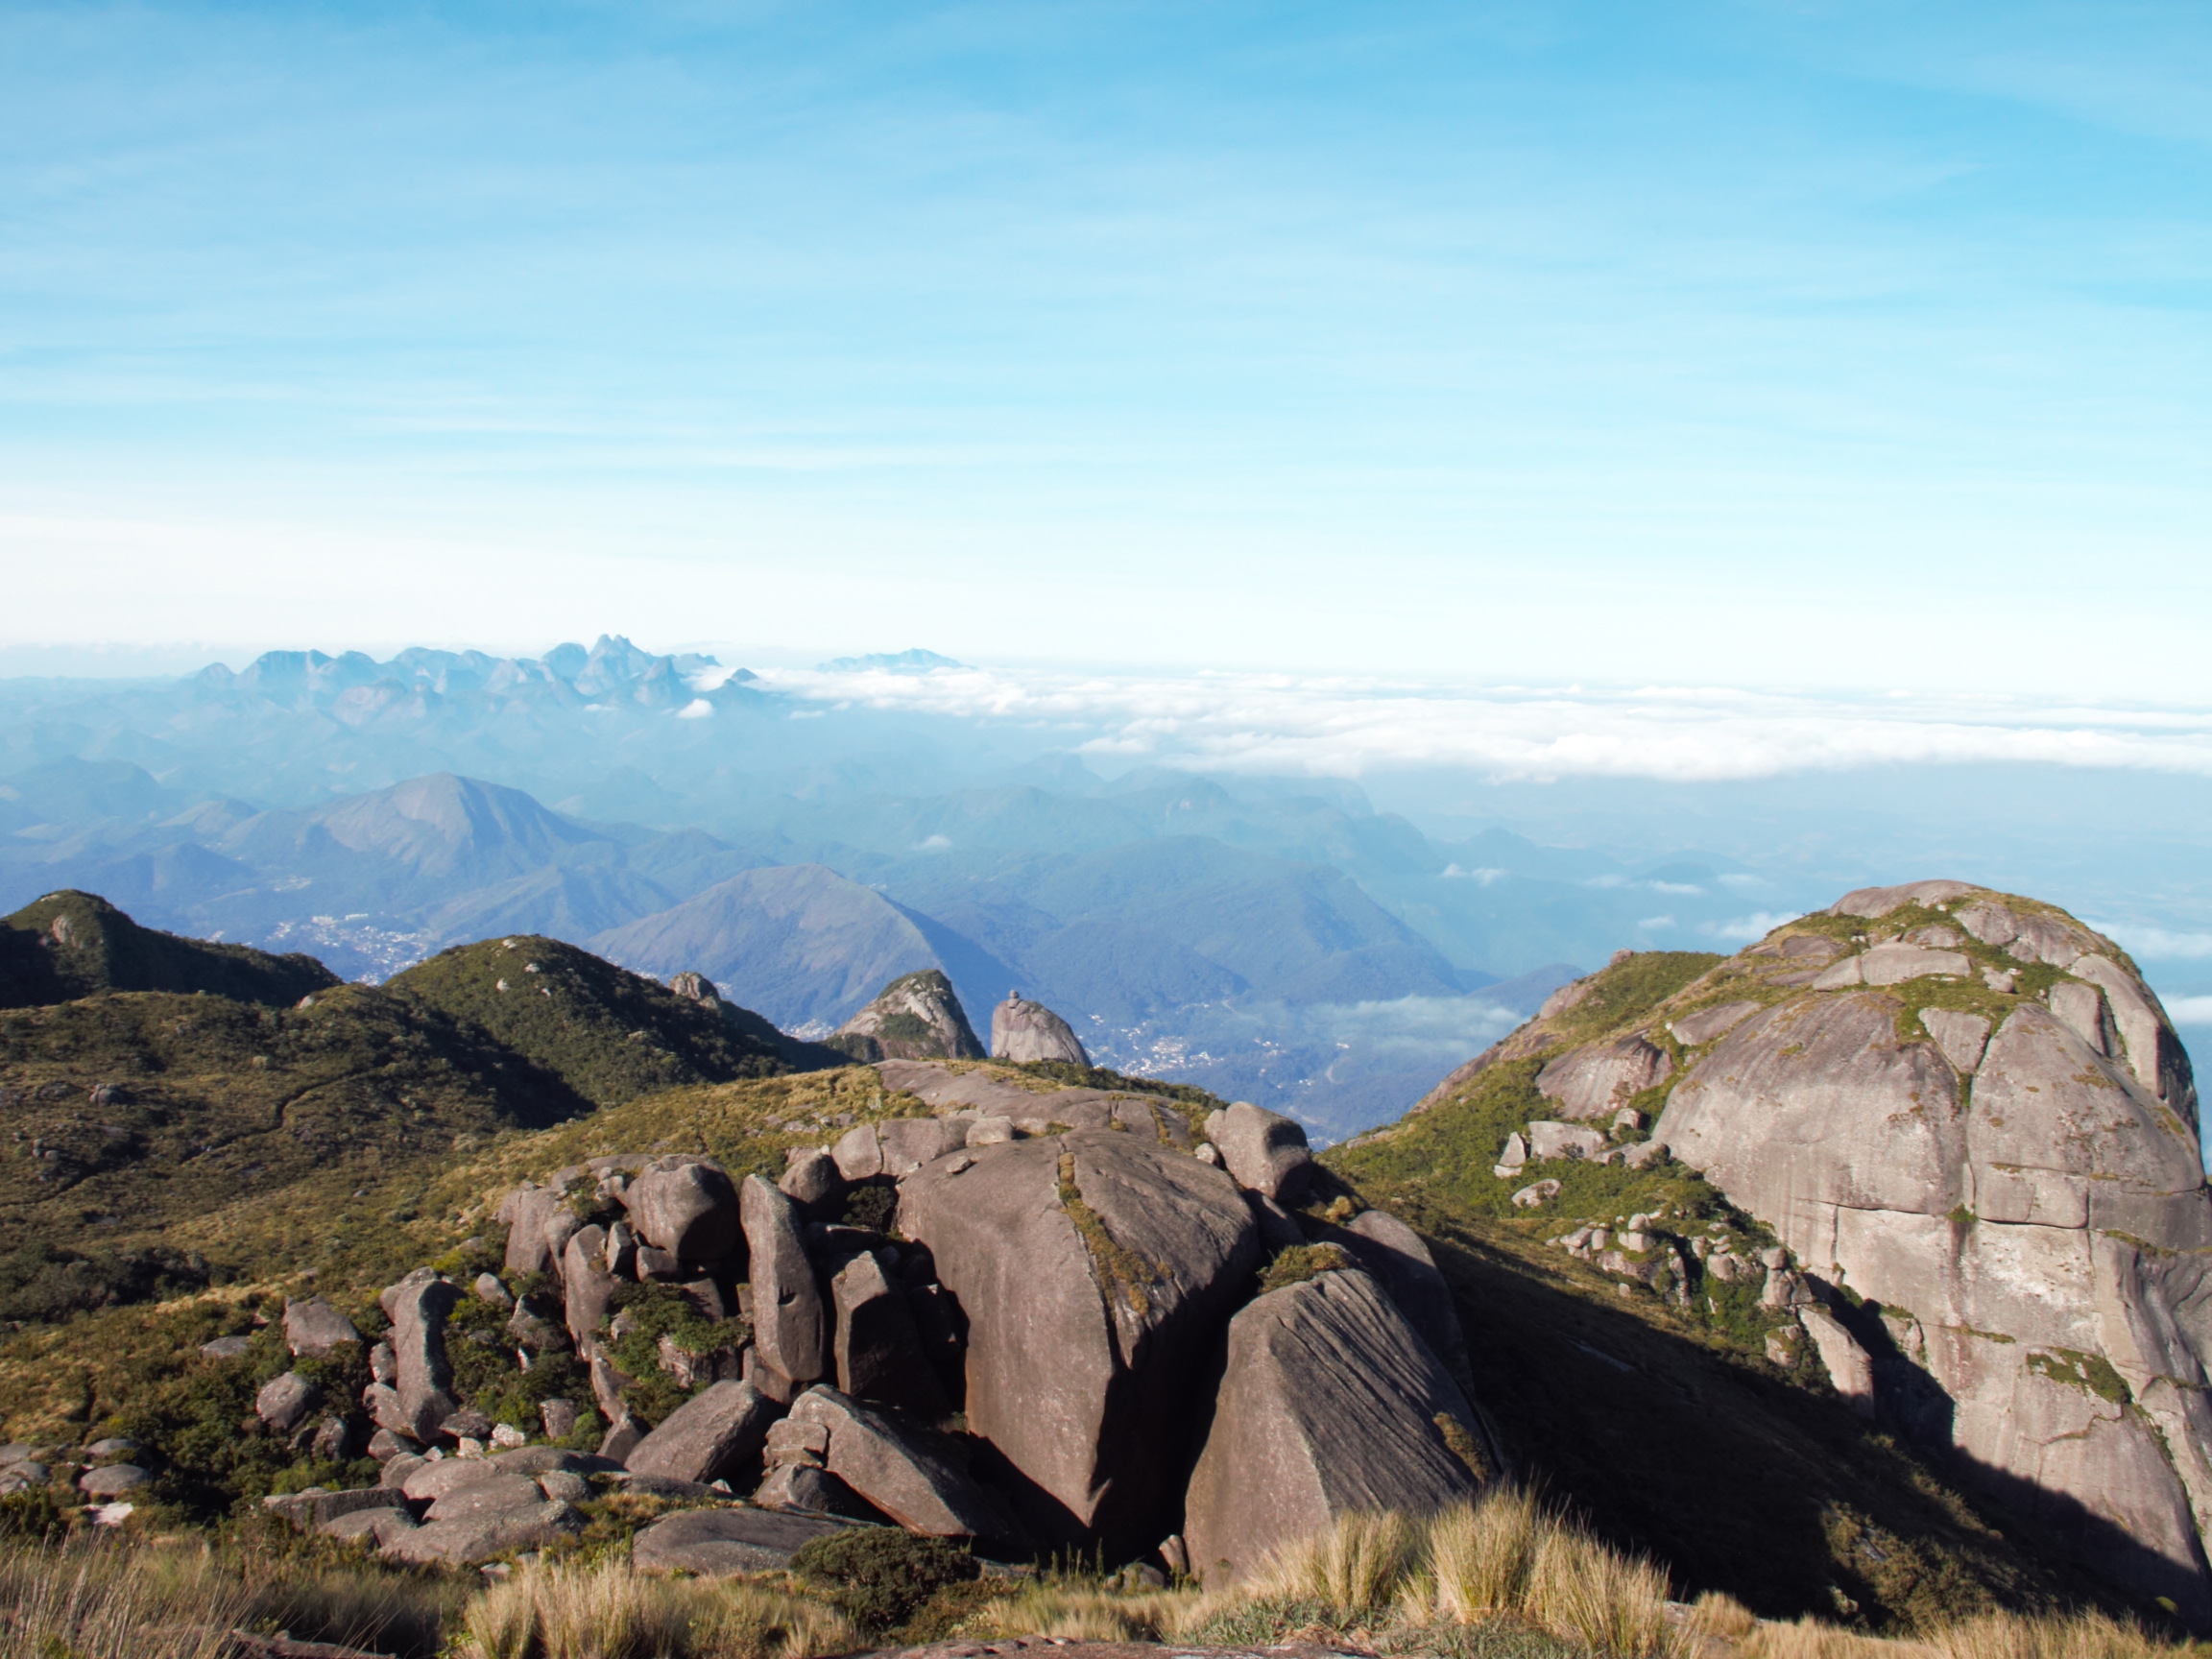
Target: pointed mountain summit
x: 917, y: 1017
x: 1022, y: 1030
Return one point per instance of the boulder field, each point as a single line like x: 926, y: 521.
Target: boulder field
x: 1973, y: 1132
x: 1035, y: 1319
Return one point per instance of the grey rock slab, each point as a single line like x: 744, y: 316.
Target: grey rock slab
x: 1875, y: 903
x: 284, y: 1401
x: 1329, y: 1402
x: 308, y: 1510
x: 813, y: 1491
x: 375, y: 1528
x: 225, y: 1347
x: 1548, y: 1138
x: 879, y: 1353
x: 1594, y: 1080
x: 901, y: 1473
x: 417, y: 1306
x: 1895, y: 964
x: 2155, y: 1053
x: 722, y: 1543
x: 710, y: 1437
x: 490, y: 1291
x: 2080, y: 1009
x: 113, y: 1481
x: 472, y: 1538
x: 2045, y: 1101
x: 1961, y: 1037
x: 622, y: 1437
x: 585, y: 1285
x: 810, y: 1177
x: 538, y: 1229
x: 1093, y: 1270
x: 909, y: 1142
x: 433, y: 1480
x: 1693, y: 1030
x: 1849, y: 1366
x: 567, y: 1487
x: 313, y: 1327
x: 496, y: 1493
x: 1567, y: 997
x: 1277, y: 1228
x: 1024, y: 1031
x: 688, y: 1209
x: 1816, y: 1103
x: 858, y: 1153
x: 1264, y: 1150
x: 399, y: 1469
x: 547, y: 1460
x: 791, y: 1330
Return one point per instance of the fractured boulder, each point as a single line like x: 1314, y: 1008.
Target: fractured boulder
x: 789, y: 1332
x: 1329, y: 1402
x: 1093, y: 1270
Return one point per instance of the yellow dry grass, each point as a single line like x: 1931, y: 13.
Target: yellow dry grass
x: 607, y: 1612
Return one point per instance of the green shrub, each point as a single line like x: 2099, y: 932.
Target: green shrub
x: 1298, y: 1262
x: 873, y: 1205
x: 881, y: 1578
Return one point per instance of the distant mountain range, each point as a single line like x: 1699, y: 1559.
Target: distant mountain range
x: 1274, y: 939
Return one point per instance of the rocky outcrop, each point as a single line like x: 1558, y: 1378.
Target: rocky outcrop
x: 1598, y: 1080
x: 917, y: 1017
x: 2015, y: 1180
x: 1024, y: 1031
x: 313, y: 1327
x: 1094, y: 1271
x: 1329, y: 1402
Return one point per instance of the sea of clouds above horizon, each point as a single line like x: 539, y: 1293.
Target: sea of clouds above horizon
x: 1339, y: 725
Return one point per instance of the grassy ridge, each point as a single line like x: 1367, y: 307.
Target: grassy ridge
x: 71, y: 944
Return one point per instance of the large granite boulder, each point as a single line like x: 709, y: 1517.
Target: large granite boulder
x: 313, y: 1327
x: 417, y: 1306
x: 2019, y: 1181
x: 916, y: 1017
x: 1094, y: 1270
x: 721, y: 1543
x: 585, y: 1285
x: 1023, y: 1031
x: 711, y: 1436
x: 1264, y: 1150
x: 687, y: 1209
x: 1329, y: 1402
x: 1599, y: 1079
x: 790, y: 1332
x: 905, y: 1475
x: 879, y: 1353
x: 539, y: 1222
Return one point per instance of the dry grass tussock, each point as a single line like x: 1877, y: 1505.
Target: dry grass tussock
x: 123, y: 1601
x: 607, y: 1612
x: 1505, y: 1559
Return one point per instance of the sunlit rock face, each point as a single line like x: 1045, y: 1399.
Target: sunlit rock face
x: 1976, y: 1119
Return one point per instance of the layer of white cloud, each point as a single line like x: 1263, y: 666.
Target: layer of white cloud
x: 2189, y: 1010
x: 1268, y: 723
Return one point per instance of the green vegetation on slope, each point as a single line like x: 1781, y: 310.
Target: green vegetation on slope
x: 133, y: 1118
x: 71, y: 944
x: 612, y: 1034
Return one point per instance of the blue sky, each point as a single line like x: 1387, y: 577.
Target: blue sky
x: 1809, y: 345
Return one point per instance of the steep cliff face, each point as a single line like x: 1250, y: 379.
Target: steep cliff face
x: 1965, y: 1115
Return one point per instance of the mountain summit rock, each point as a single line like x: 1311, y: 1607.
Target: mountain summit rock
x: 916, y: 1017
x: 1023, y: 1031
x: 1973, y: 1134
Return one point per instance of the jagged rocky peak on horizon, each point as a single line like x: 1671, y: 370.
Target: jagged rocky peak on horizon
x: 916, y: 1017
x: 1024, y: 1031
x: 1971, y: 1128
x: 354, y: 685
